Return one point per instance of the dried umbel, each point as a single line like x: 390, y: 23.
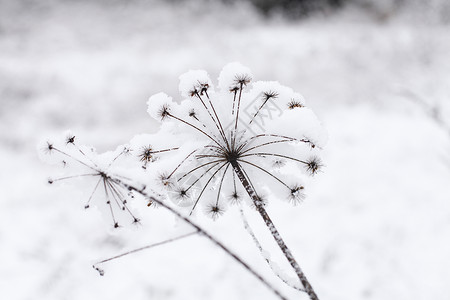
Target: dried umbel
x: 247, y: 142
x: 83, y: 162
x: 261, y: 133
x: 245, y: 139
x: 106, y: 173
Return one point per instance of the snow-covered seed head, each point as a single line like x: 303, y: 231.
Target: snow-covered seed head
x: 214, y: 210
x: 48, y: 148
x: 164, y: 111
x: 146, y: 154
x: 294, y: 104
x: 233, y: 77
x: 313, y: 165
x: 278, y: 163
x: 235, y: 197
x: 182, y: 193
x: 203, y: 87
x: 242, y: 79
x: 70, y: 139
x: 198, y: 89
x: 166, y: 181
x: 95, y: 167
x: 101, y: 272
x: 193, y: 114
x: 270, y: 95
x: 296, y: 194
x: 127, y: 150
x: 159, y: 106
x: 193, y: 91
x: 234, y: 89
x: 194, y: 83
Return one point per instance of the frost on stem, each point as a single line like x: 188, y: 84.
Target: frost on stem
x: 313, y: 165
x: 276, y: 270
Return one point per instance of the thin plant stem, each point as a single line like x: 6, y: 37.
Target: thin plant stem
x: 276, y: 155
x: 267, y: 172
x: 276, y: 136
x: 221, y: 182
x: 145, y: 247
x: 179, y: 165
x: 259, y: 109
x: 273, y: 230
x: 206, y: 185
x: 264, y: 144
x: 198, y: 167
x: 195, y: 127
x: 218, y: 123
x: 237, y: 116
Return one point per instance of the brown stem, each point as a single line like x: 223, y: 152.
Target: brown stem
x: 273, y: 230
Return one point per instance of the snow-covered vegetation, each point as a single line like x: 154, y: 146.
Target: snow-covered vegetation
x: 375, y: 222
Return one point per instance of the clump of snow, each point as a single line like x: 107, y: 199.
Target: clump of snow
x: 193, y: 82
x: 157, y: 104
x: 271, y: 88
x: 304, y: 124
x: 231, y: 76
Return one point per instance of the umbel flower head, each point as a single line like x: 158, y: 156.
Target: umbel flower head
x: 106, y: 172
x: 246, y: 138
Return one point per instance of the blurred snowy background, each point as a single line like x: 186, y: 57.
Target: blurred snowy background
x: 376, y: 223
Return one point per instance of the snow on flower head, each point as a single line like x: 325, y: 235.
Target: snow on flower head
x: 159, y: 105
x: 233, y: 75
x: 106, y: 173
x: 250, y: 138
x: 194, y: 82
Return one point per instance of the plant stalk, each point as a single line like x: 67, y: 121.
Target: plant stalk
x: 273, y: 230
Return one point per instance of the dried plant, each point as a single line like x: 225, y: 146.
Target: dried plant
x: 115, y: 186
x: 248, y: 140
x: 245, y: 143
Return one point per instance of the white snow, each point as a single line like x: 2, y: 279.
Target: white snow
x: 227, y: 80
x: 374, y: 224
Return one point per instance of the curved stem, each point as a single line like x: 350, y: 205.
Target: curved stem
x: 204, y: 233
x: 261, y: 250
x: 273, y: 230
x: 143, y: 248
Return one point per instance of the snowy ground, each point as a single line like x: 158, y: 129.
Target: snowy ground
x: 376, y: 223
